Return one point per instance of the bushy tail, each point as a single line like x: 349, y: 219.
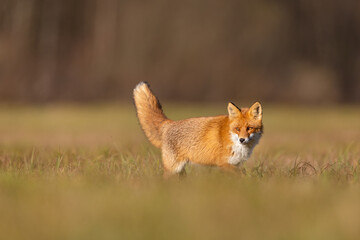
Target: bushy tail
x: 150, y: 113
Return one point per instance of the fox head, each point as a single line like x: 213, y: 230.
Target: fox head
x: 246, y: 123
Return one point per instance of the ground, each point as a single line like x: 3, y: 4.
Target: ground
x: 87, y: 172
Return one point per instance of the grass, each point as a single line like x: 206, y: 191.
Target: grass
x: 87, y: 172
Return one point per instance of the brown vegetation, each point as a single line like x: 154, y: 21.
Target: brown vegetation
x: 301, y: 50
x: 69, y: 172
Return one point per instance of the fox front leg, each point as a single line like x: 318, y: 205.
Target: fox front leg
x: 229, y: 168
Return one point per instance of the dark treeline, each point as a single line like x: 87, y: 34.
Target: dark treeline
x: 281, y: 50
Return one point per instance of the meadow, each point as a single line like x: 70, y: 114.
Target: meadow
x: 87, y: 172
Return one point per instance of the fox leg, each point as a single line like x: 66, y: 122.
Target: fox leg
x: 172, y: 165
x: 229, y: 168
x: 176, y: 168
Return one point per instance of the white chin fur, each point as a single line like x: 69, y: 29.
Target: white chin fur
x: 240, y: 152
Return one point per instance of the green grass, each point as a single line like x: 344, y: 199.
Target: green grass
x: 87, y: 172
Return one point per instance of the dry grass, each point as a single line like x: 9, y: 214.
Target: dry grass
x: 87, y: 172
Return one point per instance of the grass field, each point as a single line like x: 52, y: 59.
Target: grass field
x: 87, y: 172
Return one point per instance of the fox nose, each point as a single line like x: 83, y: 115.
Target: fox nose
x: 242, y: 140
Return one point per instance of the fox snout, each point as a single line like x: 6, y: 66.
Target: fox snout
x: 243, y: 136
x: 246, y: 139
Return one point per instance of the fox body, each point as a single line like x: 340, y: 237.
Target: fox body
x: 224, y: 141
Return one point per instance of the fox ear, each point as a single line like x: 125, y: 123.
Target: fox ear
x: 255, y: 111
x: 233, y: 110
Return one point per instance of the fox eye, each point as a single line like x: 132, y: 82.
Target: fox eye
x: 249, y: 128
x: 237, y: 129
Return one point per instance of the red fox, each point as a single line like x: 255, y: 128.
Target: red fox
x: 224, y: 141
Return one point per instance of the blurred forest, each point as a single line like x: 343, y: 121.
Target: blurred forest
x: 192, y: 50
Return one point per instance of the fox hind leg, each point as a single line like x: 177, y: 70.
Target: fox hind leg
x: 172, y: 165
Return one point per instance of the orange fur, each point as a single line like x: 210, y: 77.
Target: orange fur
x: 204, y: 140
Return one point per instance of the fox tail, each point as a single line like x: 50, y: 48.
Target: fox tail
x: 149, y: 113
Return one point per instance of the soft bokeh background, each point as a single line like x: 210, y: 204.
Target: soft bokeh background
x: 284, y: 51
x: 74, y: 163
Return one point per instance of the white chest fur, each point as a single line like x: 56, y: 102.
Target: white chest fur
x: 241, y: 152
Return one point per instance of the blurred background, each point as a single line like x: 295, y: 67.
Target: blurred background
x: 86, y: 171
x: 299, y: 51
